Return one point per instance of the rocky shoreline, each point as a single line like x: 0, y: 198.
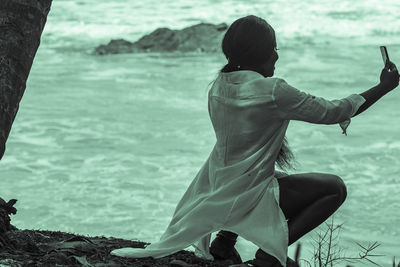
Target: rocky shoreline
x: 55, y: 248
x: 203, y: 37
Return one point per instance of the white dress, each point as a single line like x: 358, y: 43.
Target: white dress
x: 235, y: 189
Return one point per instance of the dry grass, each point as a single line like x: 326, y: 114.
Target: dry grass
x: 327, y: 253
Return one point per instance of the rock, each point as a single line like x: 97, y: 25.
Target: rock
x: 117, y: 46
x: 178, y: 263
x: 6, y: 208
x: 203, y: 37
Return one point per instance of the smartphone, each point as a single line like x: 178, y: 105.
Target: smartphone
x: 385, y: 55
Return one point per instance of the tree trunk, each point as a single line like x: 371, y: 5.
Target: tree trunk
x: 21, y: 25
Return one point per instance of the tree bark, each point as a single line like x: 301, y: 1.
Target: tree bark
x: 21, y: 25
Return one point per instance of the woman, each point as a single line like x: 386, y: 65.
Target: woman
x: 237, y: 190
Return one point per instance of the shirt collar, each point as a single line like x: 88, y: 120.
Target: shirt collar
x: 241, y: 76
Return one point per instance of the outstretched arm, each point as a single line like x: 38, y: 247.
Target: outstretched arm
x: 388, y: 81
x: 293, y: 104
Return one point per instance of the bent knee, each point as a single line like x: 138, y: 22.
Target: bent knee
x: 337, y: 187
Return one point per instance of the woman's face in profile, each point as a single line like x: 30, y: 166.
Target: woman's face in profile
x: 269, y: 66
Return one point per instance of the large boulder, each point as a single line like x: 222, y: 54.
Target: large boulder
x: 203, y: 37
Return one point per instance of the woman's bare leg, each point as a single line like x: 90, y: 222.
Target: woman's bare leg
x: 308, y: 199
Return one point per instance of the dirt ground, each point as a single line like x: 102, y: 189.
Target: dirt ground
x: 47, y: 248
x: 50, y: 248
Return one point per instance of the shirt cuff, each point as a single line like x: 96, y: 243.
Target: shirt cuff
x: 356, y: 100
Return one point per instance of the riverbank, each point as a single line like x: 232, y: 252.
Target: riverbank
x: 49, y: 248
x: 107, y: 145
x: 119, y: 169
x: 55, y: 248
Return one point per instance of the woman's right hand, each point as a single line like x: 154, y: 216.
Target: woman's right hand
x: 389, y: 76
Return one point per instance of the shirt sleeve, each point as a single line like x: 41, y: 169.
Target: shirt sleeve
x: 293, y: 104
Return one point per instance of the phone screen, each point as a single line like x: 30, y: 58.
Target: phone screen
x: 384, y: 53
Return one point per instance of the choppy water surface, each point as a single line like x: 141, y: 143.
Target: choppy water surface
x: 108, y: 145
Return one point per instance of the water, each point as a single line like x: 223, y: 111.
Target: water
x: 108, y: 145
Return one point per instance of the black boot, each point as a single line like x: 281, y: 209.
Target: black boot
x: 263, y: 259
x: 223, y: 248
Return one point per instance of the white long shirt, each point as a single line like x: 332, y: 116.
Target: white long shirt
x: 236, y: 189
